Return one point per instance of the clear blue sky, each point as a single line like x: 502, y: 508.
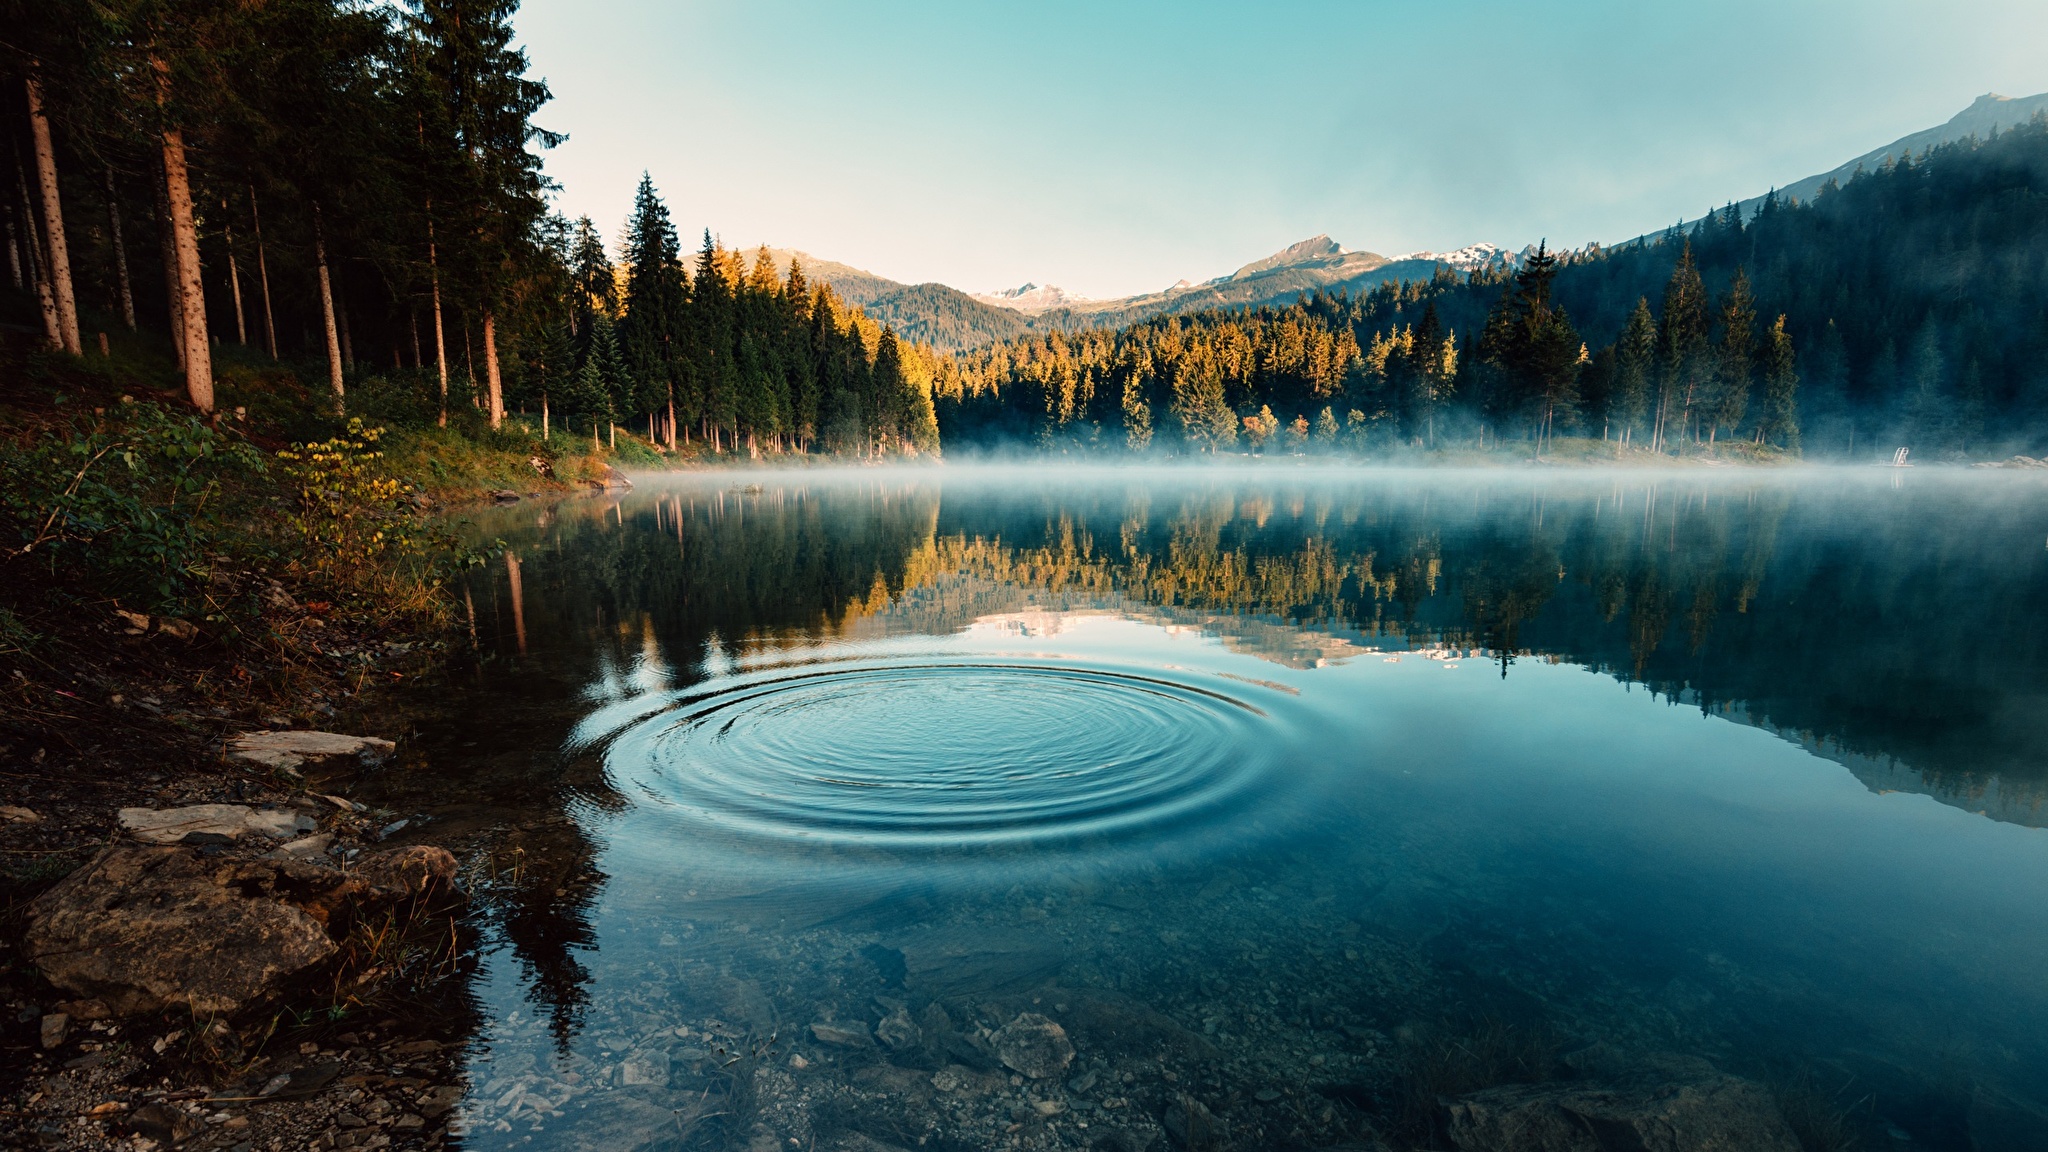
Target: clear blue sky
x: 1116, y: 147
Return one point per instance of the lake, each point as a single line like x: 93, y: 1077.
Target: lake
x: 955, y: 809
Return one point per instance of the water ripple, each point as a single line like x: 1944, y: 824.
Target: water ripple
x: 942, y: 754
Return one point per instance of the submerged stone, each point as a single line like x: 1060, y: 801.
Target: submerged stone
x: 847, y: 1035
x: 1707, y: 1113
x: 898, y: 1031
x: 1033, y: 1045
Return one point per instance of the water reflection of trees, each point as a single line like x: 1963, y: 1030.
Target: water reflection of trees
x: 1882, y: 627
x: 1876, y: 623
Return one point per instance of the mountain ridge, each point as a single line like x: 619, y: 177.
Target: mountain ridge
x: 955, y: 320
x: 1986, y: 114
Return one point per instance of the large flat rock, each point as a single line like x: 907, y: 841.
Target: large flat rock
x: 1702, y: 1113
x: 294, y: 750
x: 978, y: 961
x: 204, y: 821
x: 143, y: 929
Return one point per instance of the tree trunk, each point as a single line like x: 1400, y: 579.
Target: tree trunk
x: 327, y: 315
x: 544, y: 416
x: 518, y: 600
x: 53, y: 331
x: 53, y: 221
x: 469, y: 362
x: 14, y: 253
x: 263, y: 276
x: 491, y: 381
x: 412, y: 316
x: 227, y: 232
x: 191, y: 293
x: 120, y: 254
x: 440, y: 341
x: 167, y: 249
x: 348, y: 351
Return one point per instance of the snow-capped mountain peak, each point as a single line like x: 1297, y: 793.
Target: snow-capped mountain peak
x: 1031, y: 298
x: 1471, y: 256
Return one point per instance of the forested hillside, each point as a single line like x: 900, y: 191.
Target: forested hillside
x: 354, y: 192
x: 1907, y: 307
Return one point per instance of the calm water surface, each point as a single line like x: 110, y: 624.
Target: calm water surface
x: 1271, y: 788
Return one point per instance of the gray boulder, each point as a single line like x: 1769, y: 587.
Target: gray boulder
x: 1708, y: 1112
x: 146, y: 929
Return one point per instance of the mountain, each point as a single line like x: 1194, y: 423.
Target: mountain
x: 952, y: 320
x: 1033, y: 298
x: 1317, y: 264
x: 1987, y: 114
x: 856, y: 286
x: 946, y: 318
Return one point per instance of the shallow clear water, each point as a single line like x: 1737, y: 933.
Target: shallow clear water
x: 1269, y: 787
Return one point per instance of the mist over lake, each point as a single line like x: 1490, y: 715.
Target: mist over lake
x: 1258, y: 783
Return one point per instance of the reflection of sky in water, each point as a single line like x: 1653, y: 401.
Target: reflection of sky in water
x: 1642, y: 870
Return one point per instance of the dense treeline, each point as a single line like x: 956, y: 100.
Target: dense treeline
x: 355, y: 189
x: 1907, y: 307
x: 744, y: 356
x: 312, y: 178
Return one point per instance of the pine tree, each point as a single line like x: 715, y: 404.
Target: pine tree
x: 1930, y: 408
x: 651, y: 332
x: 594, y: 287
x: 1684, y: 366
x: 1426, y: 376
x: 1635, y: 355
x: 478, y: 112
x: 800, y: 357
x: 1136, y: 405
x: 1828, y: 395
x: 1531, y: 343
x: 1206, y: 423
x: 552, y: 367
x: 712, y: 333
x: 1734, y: 362
x: 1780, y: 423
x: 602, y: 382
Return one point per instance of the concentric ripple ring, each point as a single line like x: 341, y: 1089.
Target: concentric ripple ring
x: 941, y: 755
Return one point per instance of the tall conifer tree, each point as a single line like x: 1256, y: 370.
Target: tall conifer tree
x: 1635, y: 355
x: 651, y: 336
x: 1780, y: 422
x: 1734, y: 361
x: 1684, y: 367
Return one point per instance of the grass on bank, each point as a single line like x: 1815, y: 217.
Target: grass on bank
x: 116, y: 489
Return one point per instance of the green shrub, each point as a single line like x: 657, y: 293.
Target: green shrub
x: 126, y: 500
x: 347, y: 511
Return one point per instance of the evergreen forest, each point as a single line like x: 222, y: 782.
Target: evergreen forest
x: 1907, y: 307
x: 354, y: 194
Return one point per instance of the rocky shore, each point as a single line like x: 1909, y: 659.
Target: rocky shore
x: 224, y: 974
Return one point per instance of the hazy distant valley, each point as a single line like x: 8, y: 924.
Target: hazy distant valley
x: 953, y: 319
